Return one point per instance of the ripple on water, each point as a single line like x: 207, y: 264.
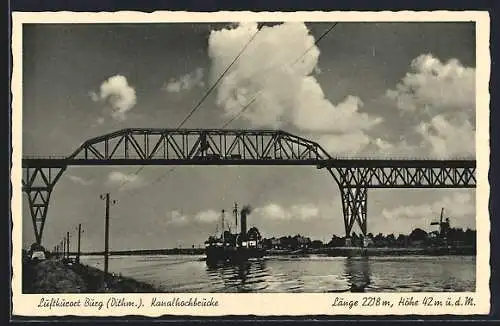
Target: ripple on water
x: 301, y: 274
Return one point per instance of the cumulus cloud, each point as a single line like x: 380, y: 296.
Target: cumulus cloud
x: 80, y: 180
x: 277, y: 212
x: 344, y: 143
x: 447, y: 137
x: 272, y: 211
x: 458, y: 205
x: 313, y: 114
x: 304, y: 212
x: 286, y: 90
x: 397, y: 149
x: 208, y: 216
x: 94, y: 96
x: 177, y: 218
x: 118, y: 95
x: 442, y: 97
x: 118, y: 178
x: 186, y: 82
x: 437, y: 86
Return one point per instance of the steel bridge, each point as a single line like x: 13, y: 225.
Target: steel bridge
x: 241, y: 147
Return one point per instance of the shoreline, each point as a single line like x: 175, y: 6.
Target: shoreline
x: 331, y: 251
x: 57, y: 276
x: 388, y: 252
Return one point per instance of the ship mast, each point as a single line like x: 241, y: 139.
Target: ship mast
x: 235, y: 212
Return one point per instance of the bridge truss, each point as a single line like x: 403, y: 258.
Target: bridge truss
x: 242, y: 147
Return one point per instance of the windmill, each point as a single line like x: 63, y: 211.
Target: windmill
x: 444, y: 225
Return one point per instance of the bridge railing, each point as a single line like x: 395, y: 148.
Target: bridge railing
x: 401, y: 157
x: 45, y: 157
x: 190, y: 144
x: 335, y: 157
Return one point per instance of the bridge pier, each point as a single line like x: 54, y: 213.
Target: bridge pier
x: 354, y: 197
x: 38, y: 183
x: 354, y: 209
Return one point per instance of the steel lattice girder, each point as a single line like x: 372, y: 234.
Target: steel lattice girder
x: 190, y: 146
x: 354, y: 207
x: 237, y: 147
x: 145, y: 144
x: 38, y: 184
x: 243, y: 147
x: 407, y: 177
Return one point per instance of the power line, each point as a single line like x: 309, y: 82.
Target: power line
x: 260, y: 194
x: 256, y: 95
x: 127, y: 180
x: 292, y: 64
x: 316, y: 42
x: 197, y: 106
x: 275, y: 64
x: 218, y: 79
x: 249, y: 103
x: 240, y: 112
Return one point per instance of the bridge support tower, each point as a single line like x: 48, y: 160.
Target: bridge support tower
x: 38, y: 183
x: 354, y: 209
x: 354, y: 197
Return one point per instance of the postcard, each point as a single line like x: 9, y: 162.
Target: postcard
x: 244, y: 163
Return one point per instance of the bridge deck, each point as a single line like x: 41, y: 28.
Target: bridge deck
x: 321, y: 163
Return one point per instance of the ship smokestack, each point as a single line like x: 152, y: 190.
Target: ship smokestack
x: 244, y: 212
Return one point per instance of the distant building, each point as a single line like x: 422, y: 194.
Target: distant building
x: 275, y: 243
x: 300, y: 242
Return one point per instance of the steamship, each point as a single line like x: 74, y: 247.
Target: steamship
x: 228, y: 246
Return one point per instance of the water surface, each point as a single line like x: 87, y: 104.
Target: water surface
x: 177, y: 273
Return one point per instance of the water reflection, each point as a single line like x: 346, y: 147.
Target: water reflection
x: 287, y: 274
x: 245, y: 276
x: 357, y: 272
x: 257, y: 275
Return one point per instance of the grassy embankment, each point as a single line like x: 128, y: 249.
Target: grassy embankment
x: 54, y: 276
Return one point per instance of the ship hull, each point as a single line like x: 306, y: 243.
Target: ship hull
x: 221, y: 254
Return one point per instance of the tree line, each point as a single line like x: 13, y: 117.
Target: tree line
x: 416, y: 238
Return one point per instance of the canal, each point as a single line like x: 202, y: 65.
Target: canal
x: 285, y: 274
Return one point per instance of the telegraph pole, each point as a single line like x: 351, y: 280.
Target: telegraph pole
x: 67, y: 235
x: 79, y: 236
x: 106, y: 234
x: 64, y: 248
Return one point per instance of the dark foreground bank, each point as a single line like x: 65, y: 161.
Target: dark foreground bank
x: 55, y: 276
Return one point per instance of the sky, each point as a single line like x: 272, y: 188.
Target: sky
x: 364, y: 89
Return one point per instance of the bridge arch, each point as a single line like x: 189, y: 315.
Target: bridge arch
x: 188, y: 146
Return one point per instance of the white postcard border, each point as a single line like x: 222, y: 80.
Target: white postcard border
x: 261, y: 303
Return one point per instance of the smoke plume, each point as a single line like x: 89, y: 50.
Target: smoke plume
x: 246, y: 210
